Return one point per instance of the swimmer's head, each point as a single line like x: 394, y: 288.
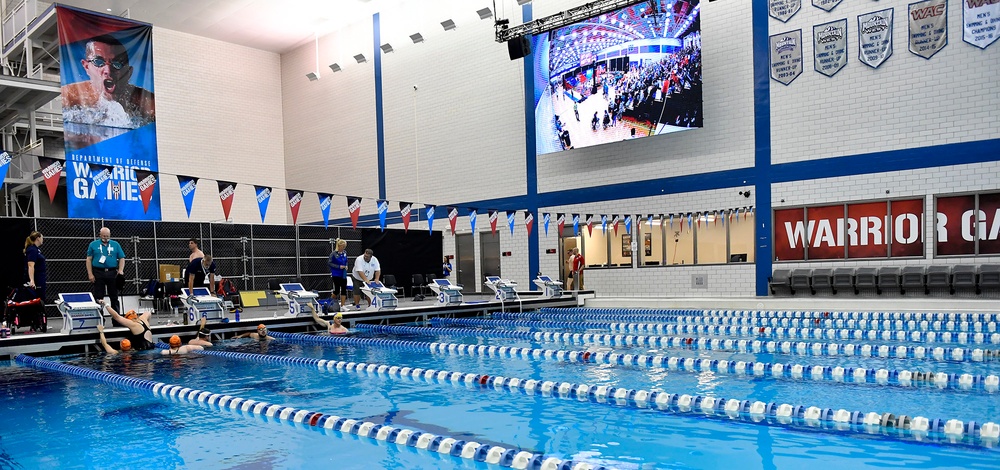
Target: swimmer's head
x: 175, y: 341
x: 126, y: 345
x: 205, y: 332
x: 338, y: 317
x: 131, y: 315
x: 262, y: 329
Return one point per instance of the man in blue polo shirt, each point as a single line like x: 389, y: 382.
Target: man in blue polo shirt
x: 105, y: 261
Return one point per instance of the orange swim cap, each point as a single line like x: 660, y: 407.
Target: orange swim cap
x: 131, y: 315
x: 175, y: 341
x: 126, y: 345
x: 261, y: 326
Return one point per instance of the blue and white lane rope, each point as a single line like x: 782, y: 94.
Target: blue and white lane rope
x: 730, y: 330
x: 887, y: 325
x: 402, y: 437
x: 929, y: 316
x: 850, y: 375
x: 799, y: 348
x: 712, y: 407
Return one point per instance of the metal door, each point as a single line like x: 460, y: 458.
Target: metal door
x: 465, y: 259
x: 489, y: 246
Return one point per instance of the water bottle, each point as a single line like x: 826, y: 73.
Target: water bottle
x: 237, y: 314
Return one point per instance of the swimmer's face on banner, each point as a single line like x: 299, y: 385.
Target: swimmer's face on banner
x: 107, y: 66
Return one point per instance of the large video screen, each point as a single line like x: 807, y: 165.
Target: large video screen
x: 627, y: 74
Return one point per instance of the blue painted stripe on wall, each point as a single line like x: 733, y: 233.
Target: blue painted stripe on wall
x: 531, y: 160
x: 762, y: 145
x: 379, y: 124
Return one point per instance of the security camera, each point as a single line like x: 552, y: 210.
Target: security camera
x: 414, y: 88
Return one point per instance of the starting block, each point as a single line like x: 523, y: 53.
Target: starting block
x: 446, y: 292
x: 380, y: 296
x: 504, y: 290
x: 551, y: 289
x: 80, y: 313
x: 299, y: 297
x: 201, y: 303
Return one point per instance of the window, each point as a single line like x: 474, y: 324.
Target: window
x: 741, y: 239
x: 680, y: 242
x: 595, y: 252
x: 650, y: 243
x: 712, y: 243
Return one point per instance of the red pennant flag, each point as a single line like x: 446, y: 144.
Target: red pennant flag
x: 294, y: 203
x: 614, y: 223
x: 51, y: 171
x: 529, y: 220
x: 590, y: 224
x: 452, y: 217
x: 493, y: 221
x: 147, y: 183
x: 354, y: 207
x: 404, y: 212
x: 227, y: 192
x: 560, y: 221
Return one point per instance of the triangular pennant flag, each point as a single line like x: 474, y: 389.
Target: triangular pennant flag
x: 560, y: 223
x: 493, y: 221
x: 294, y: 203
x: 5, y: 160
x: 672, y: 222
x: 690, y: 221
x: 354, y: 207
x: 227, y: 192
x: 510, y: 220
x: 590, y: 224
x: 51, y: 171
x: 188, y: 185
x: 472, y: 219
x: 545, y: 222
x: 614, y: 223
x: 751, y: 209
x: 576, y: 225
x: 430, y: 219
x: 452, y: 217
x: 100, y: 174
x: 604, y: 223
x: 715, y: 217
x: 628, y: 224
x: 737, y: 215
x: 700, y: 216
x: 147, y: 183
x: 404, y: 212
x: 325, y: 201
x: 638, y: 221
x: 383, y: 210
x: 263, y: 199
x: 529, y: 220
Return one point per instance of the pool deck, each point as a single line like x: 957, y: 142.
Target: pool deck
x: 166, y: 324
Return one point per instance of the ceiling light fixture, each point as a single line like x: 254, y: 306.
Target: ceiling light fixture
x: 416, y: 38
x: 448, y: 25
x: 335, y: 67
x: 360, y: 58
x: 312, y: 76
x: 386, y: 48
x: 485, y: 13
x: 523, y: 2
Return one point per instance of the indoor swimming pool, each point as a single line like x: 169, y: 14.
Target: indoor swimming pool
x: 555, y: 388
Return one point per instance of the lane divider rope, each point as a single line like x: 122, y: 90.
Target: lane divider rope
x: 930, y: 316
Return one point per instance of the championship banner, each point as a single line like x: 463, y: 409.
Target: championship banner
x: 830, y: 47
x: 783, y: 10
x: 227, y: 192
x: 263, y: 199
x: 404, y: 212
x: 188, y: 185
x: 590, y: 224
x: 147, y: 186
x: 875, y: 37
x: 493, y: 221
x: 510, y: 220
x: 430, y: 219
x: 294, y: 203
x: 383, y: 210
x: 604, y: 223
x: 51, y: 171
x: 614, y: 223
x: 826, y: 5
x: 452, y: 217
x: 354, y: 207
x: 545, y: 222
x: 5, y: 160
x: 786, y: 56
x: 108, y: 113
x: 981, y: 20
x: 529, y: 220
x: 628, y: 224
x: 472, y: 219
x: 576, y: 225
x: 928, y: 27
x: 325, y: 201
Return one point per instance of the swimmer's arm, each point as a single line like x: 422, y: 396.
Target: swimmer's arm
x: 245, y: 335
x: 201, y: 324
x: 104, y: 341
x: 319, y: 321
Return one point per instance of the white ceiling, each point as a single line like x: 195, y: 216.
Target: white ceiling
x: 269, y: 25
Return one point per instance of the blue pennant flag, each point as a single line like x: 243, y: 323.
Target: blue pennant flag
x: 545, y: 222
x: 5, y: 159
x: 188, y: 185
x: 430, y: 219
x: 263, y: 198
x: 510, y: 221
x: 628, y: 224
x: 472, y: 219
x: 576, y: 225
x: 324, y: 206
x: 383, y: 209
x: 604, y: 223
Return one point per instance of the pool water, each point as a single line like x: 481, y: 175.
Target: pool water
x: 55, y: 419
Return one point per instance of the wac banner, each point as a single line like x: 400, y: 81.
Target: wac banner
x: 786, y: 56
x: 928, y: 27
x: 982, y: 22
x: 108, y: 113
x: 875, y: 37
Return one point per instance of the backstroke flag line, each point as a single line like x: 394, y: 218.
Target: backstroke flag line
x: 324, y: 206
x: 227, y: 192
x: 51, y: 171
x: 147, y: 186
x: 404, y: 212
x: 188, y: 185
x: 263, y: 198
x: 383, y: 209
x: 294, y: 203
x: 354, y: 207
x: 5, y: 159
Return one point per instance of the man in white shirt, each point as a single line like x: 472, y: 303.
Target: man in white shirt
x: 366, y: 269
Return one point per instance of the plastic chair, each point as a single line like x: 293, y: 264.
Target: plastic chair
x: 417, y: 281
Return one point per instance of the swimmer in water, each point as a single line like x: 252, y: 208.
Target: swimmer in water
x: 260, y: 334
x: 125, y: 344
x: 204, y: 335
x: 335, y: 328
x: 140, y: 334
x: 176, y: 347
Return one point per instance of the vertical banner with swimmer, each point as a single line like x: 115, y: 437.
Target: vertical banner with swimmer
x: 108, y: 113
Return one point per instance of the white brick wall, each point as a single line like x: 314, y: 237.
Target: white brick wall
x: 218, y: 116
x: 907, y: 102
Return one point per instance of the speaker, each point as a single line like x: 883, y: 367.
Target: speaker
x: 519, y: 47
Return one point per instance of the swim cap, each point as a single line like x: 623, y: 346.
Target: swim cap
x: 131, y: 315
x: 204, y: 332
x: 175, y: 341
x: 126, y: 345
x: 262, y: 327
x: 339, y: 315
